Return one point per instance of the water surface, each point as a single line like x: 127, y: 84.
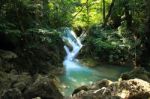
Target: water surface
x: 77, y: 75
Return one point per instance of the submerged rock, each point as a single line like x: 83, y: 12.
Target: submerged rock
x: 126, y: 89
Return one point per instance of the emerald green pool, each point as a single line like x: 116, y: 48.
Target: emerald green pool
x: 77, y: 75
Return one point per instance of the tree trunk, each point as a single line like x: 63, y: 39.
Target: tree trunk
x: 145, y: 57
x: 87, y: 11
x: 109, y: 12
x: 128, y: 15
x: 45, y: 12
x: 104, y: 23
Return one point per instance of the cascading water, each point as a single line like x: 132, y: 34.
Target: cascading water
x: 72, y: 49
x: 75, y: 73
x: 74, y: 42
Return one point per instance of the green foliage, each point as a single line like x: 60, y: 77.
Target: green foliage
x: 89, y: 12
x: 60, y: 12
x: 114, y: 46
x: 32, y: 23
x: 43, y: 48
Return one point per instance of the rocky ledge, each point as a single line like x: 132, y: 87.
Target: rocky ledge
x: 23, y: 86
x: 18, y: 84
x: 106, y: 89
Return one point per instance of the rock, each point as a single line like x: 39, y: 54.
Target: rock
x: 23, y: 81
x: 126, y: 89
x: 43, y: 87
x: 136, y: 73
x: 100, y: 84
x: 13, y: 71
x: 0, y: 62
x: 4, y: 81
x: 20, y: 82
x: 23, y: 86
x: 58, y: 71
x: 12, y: 94
x: 6, y: 60
x: 7, y: 54
x: 37, y: 98
x: 10, y: 80
x: 20, y: 85
x: 85, y: 88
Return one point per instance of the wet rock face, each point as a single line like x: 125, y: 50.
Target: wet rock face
x: 126, y: 89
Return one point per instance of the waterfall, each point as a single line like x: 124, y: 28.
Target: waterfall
x: 72, y: 47
x: 73, y: 41
x: 77, y: 74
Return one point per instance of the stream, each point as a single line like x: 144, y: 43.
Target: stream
x: 82, y: 75
x: 77, y: 74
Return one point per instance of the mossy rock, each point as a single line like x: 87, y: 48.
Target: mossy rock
x: 136, y: 73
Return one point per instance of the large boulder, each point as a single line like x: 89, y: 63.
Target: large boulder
x: 126, y: 89
x: 12, y: 80
x: 23, y: 86
x: 43, y: 87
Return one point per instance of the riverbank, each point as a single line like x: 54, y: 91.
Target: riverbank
x: 106, y: 89
x: 131, y: 85
x: 23, y: 85
x: 18, y: 82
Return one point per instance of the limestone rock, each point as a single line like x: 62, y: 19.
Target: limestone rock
x: 10, y: 80
x: 126, y: 89
x: 23, y: 86
x: 43, y: 87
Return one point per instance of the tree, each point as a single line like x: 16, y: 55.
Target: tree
x: 104, y: 19
x: 128, y: 15
x: 145, y: 57
x: 110, y: 11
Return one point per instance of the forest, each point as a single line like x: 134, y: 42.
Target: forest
x: 74, y: 49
